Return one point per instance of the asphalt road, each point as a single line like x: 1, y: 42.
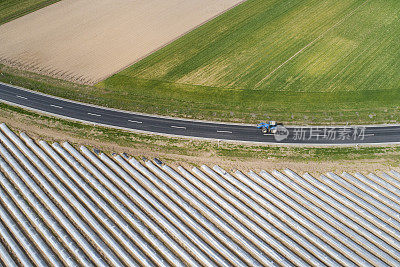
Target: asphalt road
x: 179, y: 127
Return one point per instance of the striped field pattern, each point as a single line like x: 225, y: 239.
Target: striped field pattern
x: 60, y: 205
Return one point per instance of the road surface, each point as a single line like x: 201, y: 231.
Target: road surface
x: 189, y: 128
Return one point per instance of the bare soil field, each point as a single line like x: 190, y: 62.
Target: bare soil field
x: 85, y: 41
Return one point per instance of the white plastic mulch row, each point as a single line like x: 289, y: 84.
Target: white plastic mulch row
x: 60, y: 205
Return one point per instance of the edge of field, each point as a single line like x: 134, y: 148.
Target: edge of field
x: 171, y: 41
x: 22, y: 12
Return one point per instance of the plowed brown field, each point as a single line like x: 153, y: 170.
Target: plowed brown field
x: 86, y: 41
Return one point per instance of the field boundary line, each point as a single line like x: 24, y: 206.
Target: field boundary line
x: 168, y: 43
x: 311, y: 43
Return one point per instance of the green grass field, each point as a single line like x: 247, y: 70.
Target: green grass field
x: 330, y: 61
x: 12, y: 9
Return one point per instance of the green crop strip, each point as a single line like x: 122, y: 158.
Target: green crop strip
x: 12, y: 9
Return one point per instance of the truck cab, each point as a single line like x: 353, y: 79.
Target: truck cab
x: 268, y: 127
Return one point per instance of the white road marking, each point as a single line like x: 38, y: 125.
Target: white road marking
x: 322, y: 135
x: 97, y: 115
x: 311, y: 43
x: 135, y: 121
x: 23, y: 97
x: 178, y: 127
x: 224, y: 132
x: 55, y: 106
